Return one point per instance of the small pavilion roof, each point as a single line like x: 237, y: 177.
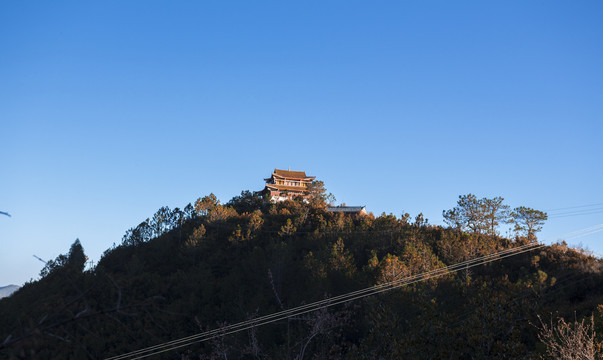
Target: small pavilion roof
x: 347, y: 209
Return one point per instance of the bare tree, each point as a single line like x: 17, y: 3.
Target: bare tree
x: 569, y: 341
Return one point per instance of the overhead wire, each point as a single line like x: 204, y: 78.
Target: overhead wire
x: 373, y: 290
x: 579, y: 210
x: 576, y: 213
x: 592, y: 230
x: 582, y: 230
x: 574, y: 207
x: 245, y: 325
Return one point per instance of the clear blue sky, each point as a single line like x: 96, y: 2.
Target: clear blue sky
x: 112, y: 109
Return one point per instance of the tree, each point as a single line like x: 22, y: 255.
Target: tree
x: 203, y: 205
x: 494, y: 212
x: 479, y: 216
x: 76, y: 259
x: 189, y: 212
x: 288, y: 229
x: 248, y: 202
x: 420, y: 220
x: 138, y: 235
x: 342, y: 259
x: 255, y: 222
x: 391, y: 268
x: 163, y: 221
x: 466, y: 216
x: 569, y: 341
x: 195, y: 238
x: 528, y: 221
x: 318, y: 194
x: 221, y: 213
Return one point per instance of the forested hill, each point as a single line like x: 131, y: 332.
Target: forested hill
x: 208, y: 266
x: 7, y: 290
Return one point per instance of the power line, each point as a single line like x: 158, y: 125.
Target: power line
x: 574, y: 207
x: 373, y: 290
x: 577, y: 213
x: 595, y: 208
x: 301, y: 312
x: 582, y: 230
x: 578, y: 210
x: 585, y: 232
x: 245, y: 325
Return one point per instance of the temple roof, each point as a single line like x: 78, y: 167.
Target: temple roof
x: 285, y: 187
x: 292, y: 174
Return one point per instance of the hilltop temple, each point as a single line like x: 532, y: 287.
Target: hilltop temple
x: 287, y: 184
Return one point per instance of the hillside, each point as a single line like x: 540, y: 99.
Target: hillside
x: 7, y: 290
x: 207, y: 266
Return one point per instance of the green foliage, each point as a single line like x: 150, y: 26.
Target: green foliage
x: 180, y: 272
x: 318, y: 194
x: 221, y: 213
x: 341, y: 259
x: 479, y: 216
x: 528, y: 221
x: 203, y: 205
x: 255, y: 222
x: 249, y: 202
x: 483, y: 216
x: 392, y: 269
x: 74, y: 261
x: 195, y: 238
x: 288, y: 229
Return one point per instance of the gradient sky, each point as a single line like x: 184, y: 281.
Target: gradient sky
x: 112, y: 109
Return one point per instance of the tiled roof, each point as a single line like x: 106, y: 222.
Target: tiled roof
x: 292, y: 174
x: 285, y: 187
x: 352, y: 209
